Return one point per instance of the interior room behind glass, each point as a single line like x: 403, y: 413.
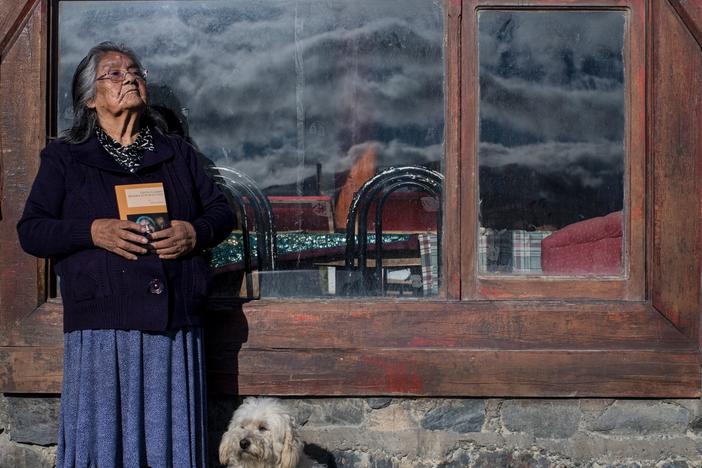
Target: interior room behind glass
x: 551, y: 150
x: 303, y: 102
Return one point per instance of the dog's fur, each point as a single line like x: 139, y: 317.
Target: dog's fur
x: 262, y: 434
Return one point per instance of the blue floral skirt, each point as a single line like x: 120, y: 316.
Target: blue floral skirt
x: 133, y: 399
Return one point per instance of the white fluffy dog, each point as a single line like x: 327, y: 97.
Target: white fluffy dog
x: 262, y: 434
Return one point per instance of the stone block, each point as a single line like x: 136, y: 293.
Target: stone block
x: 459, y: 459
x: 497, y: 457
x: 491, y: 459
x: 696, y: 425
x: 391, y: 418
x: 406, y: 463
x: 33, y: 420
x: 508, y: 458
x: 673, y: 464
x: 531, y: 460
x: 693, y: 405
x: 555, y: 419
x: 593, y: 407
x: 351, y: 459
x: 378, y: 403
x: 4, y: 413
x: 642, y: 418
x: 455, y: 415
x: 13, y: 455
x: 301, y: 410
x: 616, y: 465
x: 330, y: 411
x: 379, y: 461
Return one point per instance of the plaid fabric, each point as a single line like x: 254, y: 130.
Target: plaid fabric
x: 510, y: 251
x: 526, y: 251
x: 428, y: 257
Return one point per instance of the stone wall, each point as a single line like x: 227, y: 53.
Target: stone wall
x: 423, y: 432
x: 28, y: 428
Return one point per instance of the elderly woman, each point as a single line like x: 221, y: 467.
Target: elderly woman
x: 133, y: 383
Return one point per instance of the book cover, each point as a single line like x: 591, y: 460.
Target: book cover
x: 144, y: 204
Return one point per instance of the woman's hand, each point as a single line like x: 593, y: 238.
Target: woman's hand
x: 118, y: 236
x: 174, y: 242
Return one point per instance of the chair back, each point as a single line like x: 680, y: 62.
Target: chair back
x: 377, y: 190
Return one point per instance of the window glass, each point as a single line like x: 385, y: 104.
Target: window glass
x: 551, y: 144
x: 307, y: 101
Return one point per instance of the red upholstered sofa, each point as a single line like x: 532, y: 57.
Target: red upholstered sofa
x: 589, y: 247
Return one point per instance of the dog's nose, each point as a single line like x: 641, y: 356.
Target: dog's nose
x: 244, y: 443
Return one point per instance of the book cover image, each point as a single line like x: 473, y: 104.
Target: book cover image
x: 145, y: 204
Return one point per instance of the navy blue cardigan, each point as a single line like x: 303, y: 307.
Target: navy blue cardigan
x: 99, y: 289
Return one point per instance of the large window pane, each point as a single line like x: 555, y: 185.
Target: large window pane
x: 551, y: 150
x: 308, y: 99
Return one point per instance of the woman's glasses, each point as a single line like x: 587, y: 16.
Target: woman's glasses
x: 118, y: 76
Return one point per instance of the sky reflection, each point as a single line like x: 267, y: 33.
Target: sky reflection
x: 280, y: 89
x: 551, y: 148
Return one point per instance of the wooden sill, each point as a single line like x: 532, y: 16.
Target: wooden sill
x: 432, y: 348
x: 423, y: 348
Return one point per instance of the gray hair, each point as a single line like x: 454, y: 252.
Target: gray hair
x: 83, y: 91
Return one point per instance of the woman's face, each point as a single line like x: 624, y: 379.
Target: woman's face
x: 112, y: 99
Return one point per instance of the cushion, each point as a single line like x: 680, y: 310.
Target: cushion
x: 589, y: 247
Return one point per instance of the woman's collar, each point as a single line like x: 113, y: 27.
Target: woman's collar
x: 93, y: 154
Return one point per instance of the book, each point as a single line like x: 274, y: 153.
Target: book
x: 145, y: 204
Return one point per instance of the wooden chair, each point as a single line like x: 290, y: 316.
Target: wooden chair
x: 360, y: 280
x: 242, y: 191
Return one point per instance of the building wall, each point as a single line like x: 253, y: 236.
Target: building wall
x: 423, y: 432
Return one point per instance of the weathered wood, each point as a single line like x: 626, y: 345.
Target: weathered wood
x: 456, y: 373
x: 13, y: 17
x: 635, y: 178
x: 451, y: 240
x: 469, y: 151
x: 485, y: 325
x: 516, y: 287
x: 676, y: 152
x: 691, y: 14
x: 342, y: 348
x: 505, y: 348
x: 31, y: 369
x: 42, y: 327
x: 632, y: 284
x: 562, y: 4
x: 436, y: 372
x: 22, y: 133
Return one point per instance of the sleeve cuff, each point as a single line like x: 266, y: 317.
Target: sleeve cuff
x: 203, y: 234
x: 80, y: 234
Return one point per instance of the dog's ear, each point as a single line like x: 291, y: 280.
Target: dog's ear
x: 292, y: 445
x: 226, y: 448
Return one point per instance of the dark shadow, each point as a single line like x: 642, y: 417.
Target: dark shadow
x: 320, y: 455
x: 174, y: 123
x: 162, y: 97
x: 225, y: 324
x: 226, y: 329
x: 219, y: 411
x: 167, y: 105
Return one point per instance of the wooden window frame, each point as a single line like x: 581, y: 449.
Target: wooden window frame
x: 640, y: 340
x: 630, y: 285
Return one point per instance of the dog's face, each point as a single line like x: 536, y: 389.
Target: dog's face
x: 261, y: 434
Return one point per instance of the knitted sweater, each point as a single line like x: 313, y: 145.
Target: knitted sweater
x: 102, y: 290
